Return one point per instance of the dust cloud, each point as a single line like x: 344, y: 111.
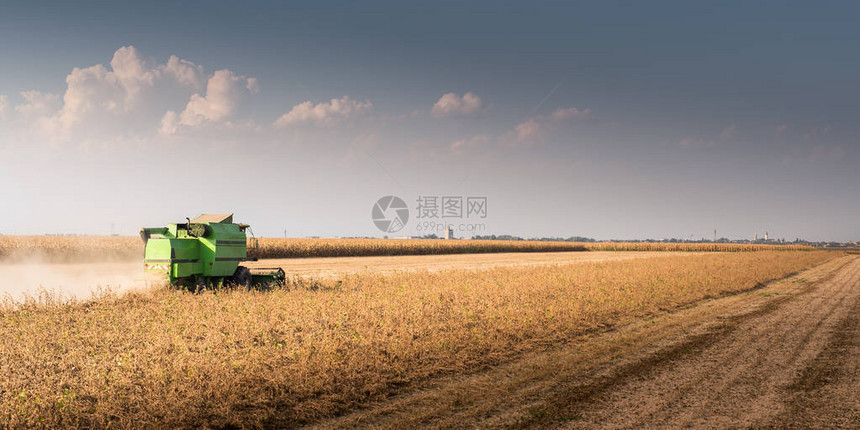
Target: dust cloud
x: 22, y: 278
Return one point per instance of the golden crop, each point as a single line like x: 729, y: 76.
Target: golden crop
x: 167, y: 358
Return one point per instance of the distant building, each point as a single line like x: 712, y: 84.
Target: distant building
x: 449, y: 232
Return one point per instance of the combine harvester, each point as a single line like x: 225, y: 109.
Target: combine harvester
x: 204, y: 252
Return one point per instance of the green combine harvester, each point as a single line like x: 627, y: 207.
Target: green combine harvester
x: 204, y: 252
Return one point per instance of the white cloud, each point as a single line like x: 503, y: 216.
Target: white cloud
x: 535, y: 129
x: 323, y: 114
x: 32, y: 118
x: 780, y: 129
x: 127, y: 99
x: 728, y: 132
x: 561, y: 114
x: 222, y: 93
x: 224, y: 90
x: 529, y: 131
x: 130, y: 71
x: 4, y: 104
x: 253, y: 86
x: 37, y: 104
x: 88, y: 91
x: 451, y: 104
x: 183, y: 72
x: 169, y: 123
x: 463, y: 144
x: 96, y: 91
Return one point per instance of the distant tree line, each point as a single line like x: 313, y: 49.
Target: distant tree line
x: 797, y: 241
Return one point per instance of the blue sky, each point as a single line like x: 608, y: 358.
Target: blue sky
x: 601, y: 119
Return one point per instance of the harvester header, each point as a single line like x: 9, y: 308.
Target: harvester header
x: 205, y: 251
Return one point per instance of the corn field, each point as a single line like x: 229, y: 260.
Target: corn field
x: 126, y: 248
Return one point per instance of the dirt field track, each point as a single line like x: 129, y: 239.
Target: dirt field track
x: 786, y: 355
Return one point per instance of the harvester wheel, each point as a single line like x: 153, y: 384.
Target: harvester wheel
x: 242, y: 277
x: 198, y: 286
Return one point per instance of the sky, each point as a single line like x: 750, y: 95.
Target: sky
x: 611, y: 120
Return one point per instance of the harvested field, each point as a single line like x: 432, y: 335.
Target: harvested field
x: 326, y: 346
x: 338, y: 266
x: 781, y: 356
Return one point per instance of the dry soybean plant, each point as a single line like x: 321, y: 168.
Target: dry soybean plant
x: 294, y: 355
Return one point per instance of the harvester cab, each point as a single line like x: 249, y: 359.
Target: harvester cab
x: 204, y: 251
